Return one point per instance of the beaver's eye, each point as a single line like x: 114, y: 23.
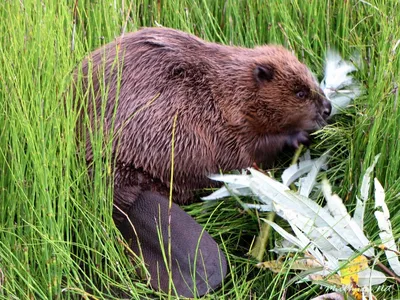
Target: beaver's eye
x: 301, y: 94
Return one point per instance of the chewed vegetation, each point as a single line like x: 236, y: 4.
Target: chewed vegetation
x: 57, y: 236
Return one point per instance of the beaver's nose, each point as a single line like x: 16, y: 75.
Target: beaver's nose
x: 327, y: 108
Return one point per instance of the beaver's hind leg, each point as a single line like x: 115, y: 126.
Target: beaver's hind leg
x: 196, y: 263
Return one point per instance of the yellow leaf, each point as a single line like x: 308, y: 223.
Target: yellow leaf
x: 349, y: 274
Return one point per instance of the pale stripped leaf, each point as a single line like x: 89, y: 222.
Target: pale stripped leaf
x: 385, y: 226
x: 359, y: 211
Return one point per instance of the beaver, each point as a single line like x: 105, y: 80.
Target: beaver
x: 208, y: 106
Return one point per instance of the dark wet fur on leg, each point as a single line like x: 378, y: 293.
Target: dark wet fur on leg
x: 202, y: 261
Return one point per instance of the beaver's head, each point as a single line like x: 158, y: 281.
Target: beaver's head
x: 283, y: 95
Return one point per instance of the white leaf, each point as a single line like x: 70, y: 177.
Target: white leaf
x: 294, y: 218
x: 280, y: 194
x: 330, y: 242
x: 308, y: 183
x: 237, y: 180
x: 345, y: 227
x: 385, y: 226
x: 312, y: 249
x: 305, y: 213
x: 218, y: 194
x: 338, y: 85
x: 286, y: 235
x: 325, y: 233
x: 367, y: 179
x: 259, y: 207
x: 310, y: 166
x: 336, y: 72
x: 325, y: 238
x: 330, y: 296
x: 334, y: 203
x: 305, y: 156
x: 223, y: 192
x: 295, y: 171
x: 359, y: 211
x: 368, y: 277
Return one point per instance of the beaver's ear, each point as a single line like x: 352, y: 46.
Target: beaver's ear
x: 264, y: 73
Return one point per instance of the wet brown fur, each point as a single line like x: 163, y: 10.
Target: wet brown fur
x: 228, y: 114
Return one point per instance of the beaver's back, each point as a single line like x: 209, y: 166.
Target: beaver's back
x: 226, y: 113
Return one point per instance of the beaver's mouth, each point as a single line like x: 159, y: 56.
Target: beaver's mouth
x: 323, y: 114
x: 320, y: 121
x: 315, y: 123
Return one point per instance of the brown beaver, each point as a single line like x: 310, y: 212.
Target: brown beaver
x: 232, y: 106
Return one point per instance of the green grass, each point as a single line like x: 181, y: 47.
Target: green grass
x: 57, y: 237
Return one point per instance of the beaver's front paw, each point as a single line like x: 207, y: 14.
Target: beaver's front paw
x: 295, y: 139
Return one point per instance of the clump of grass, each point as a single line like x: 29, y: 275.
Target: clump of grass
x: 57, y: 237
